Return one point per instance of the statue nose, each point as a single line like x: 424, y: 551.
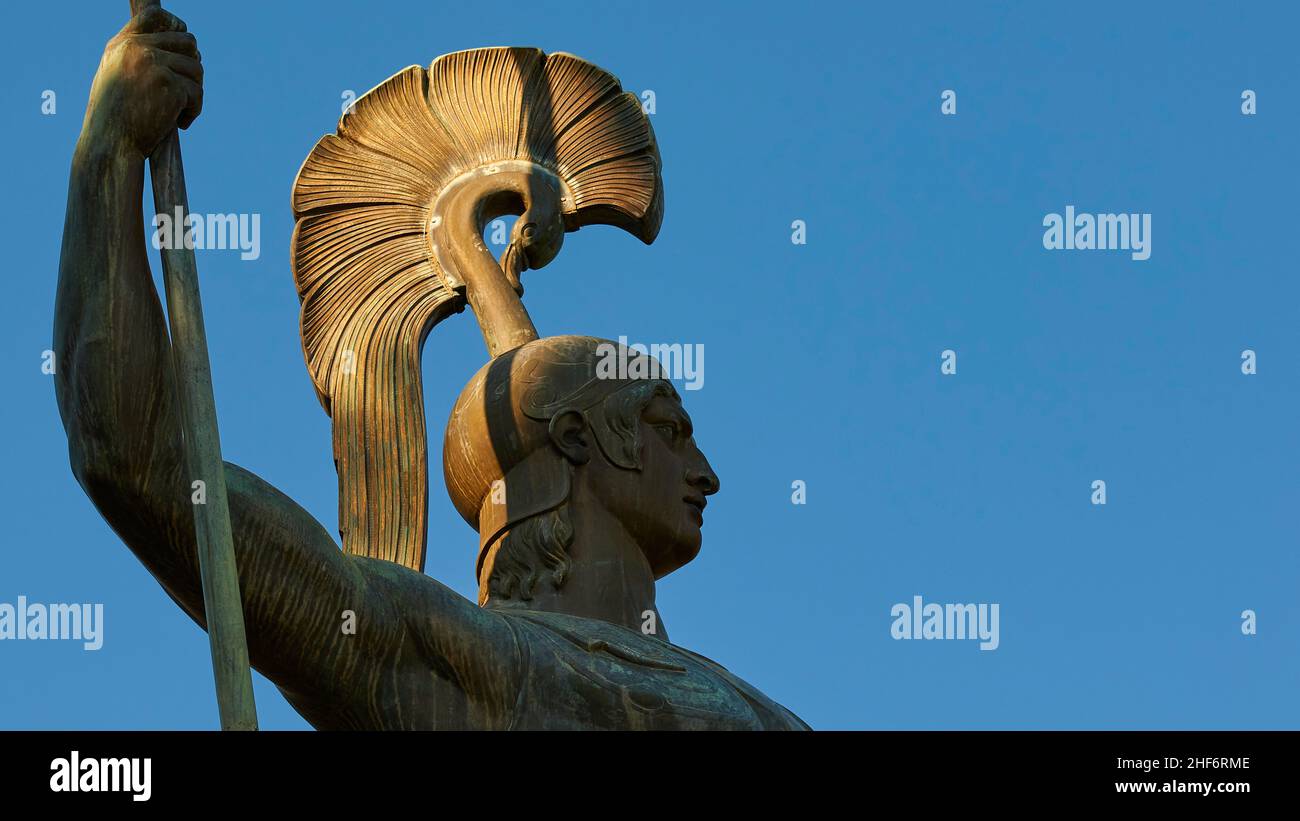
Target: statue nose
x: 703, y: 477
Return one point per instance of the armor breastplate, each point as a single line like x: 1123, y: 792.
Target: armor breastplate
x: 615, y: 678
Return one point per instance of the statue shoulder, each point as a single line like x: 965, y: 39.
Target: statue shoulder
x: 447, y: 629
x: 429, y: 607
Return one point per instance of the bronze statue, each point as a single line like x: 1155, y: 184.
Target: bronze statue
x: 584, y: 490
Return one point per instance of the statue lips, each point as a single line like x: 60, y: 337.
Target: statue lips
x: 696, y: 503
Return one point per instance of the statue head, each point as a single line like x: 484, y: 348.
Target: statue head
x: 551, y: 419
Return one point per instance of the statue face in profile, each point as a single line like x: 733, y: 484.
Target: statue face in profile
x: 661, y: 504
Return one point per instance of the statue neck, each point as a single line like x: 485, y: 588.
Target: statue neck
x: 609, y: 577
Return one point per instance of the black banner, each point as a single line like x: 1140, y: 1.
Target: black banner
x: 192, y: 770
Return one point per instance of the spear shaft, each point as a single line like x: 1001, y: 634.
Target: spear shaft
x: 222, y: 604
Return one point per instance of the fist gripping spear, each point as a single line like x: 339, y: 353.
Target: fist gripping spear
x: 584, y: 490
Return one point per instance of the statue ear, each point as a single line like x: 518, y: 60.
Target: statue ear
x: 570, y: 435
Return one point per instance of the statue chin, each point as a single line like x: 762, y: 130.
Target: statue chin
x: 667, y: 559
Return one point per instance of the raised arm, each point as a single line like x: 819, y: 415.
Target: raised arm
x: 115, y: 392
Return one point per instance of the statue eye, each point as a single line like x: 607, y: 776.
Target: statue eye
x: 530, y: 231
x: 669, y: 431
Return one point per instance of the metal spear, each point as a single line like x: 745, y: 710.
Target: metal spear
x: 221, y: 600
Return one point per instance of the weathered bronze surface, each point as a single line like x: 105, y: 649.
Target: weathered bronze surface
x: 584, y: 489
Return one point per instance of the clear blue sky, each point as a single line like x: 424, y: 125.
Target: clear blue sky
x: 822, y: 360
